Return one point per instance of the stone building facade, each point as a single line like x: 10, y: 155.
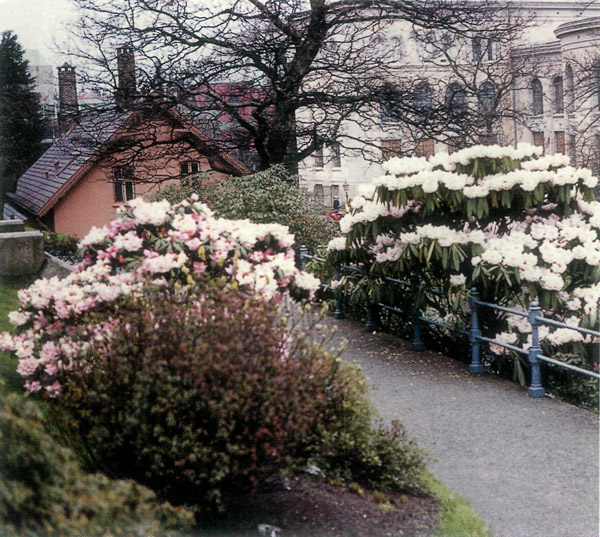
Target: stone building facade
x: 556, y: 104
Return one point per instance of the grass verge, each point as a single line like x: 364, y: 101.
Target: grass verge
x: 10, y: 380
x: 457, y: 518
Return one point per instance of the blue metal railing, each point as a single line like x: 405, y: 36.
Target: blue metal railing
x: 534, y: 316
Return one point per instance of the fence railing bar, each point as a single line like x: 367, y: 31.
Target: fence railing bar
x: 551, y: 322
x: 505, y: 345
x: 391, y: 308
x: 314, y: 258
x: 502, y: 308
x: 568, y: 366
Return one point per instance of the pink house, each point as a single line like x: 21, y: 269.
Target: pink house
x: 106, y: 158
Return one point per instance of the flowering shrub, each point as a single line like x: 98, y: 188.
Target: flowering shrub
x: 148, y: 244
x: 517, y: 225
x: 200, y: 394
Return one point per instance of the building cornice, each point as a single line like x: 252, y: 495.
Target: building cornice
x: 592, y: 23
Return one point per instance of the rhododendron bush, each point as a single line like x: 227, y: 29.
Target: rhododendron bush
x: 515, y: 224
x: 147, y: 245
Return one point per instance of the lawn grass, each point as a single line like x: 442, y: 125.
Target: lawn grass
x: 10, y: 380
x: 457, y: 518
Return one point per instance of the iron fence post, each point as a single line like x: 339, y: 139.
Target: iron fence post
x: 339, y: 309
x: 416, y: 343
x: 303, y: 259
x: 475, y: 367
x: 535, y: 389
x: 370, y: 310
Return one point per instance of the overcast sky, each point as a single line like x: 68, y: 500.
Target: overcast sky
x: 39, y: 24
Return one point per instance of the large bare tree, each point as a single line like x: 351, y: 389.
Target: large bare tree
x: 280, y: 79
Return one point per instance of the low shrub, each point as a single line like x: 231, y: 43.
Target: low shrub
x: 267, y: 197
x: 61, y: 246
x: 201, y: 394
x: 43, y: 491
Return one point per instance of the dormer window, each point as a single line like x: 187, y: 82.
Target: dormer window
x: 190, y: 167
x: 124, y: 186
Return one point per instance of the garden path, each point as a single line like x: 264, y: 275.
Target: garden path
x: 529, y: 467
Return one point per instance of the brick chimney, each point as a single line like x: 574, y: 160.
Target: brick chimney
x: 125, y: 93
x: 67, y: 97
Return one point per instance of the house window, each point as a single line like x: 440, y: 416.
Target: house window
x: 336, y: 152
x: 425, y: 148
x: 390, y: 148
x: 538, y: 139
x: 319, y: 162
x: 319, y: 194
x: 123, y: 183
x: 559, y: 95
x: 190, y: 167
x: 559, y: 137
x: 537, y: 97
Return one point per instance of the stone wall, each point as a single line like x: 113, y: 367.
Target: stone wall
x: 21, y: 252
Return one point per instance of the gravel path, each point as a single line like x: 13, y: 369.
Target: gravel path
x: 528, y: 467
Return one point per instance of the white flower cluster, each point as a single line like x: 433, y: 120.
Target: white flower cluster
x: 388, y: 248
x: 371, y: 211
x: 410, y: 165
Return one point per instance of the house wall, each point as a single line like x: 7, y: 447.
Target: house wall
x: 91, y: 201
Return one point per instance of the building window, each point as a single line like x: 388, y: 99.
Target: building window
x: 456, y: 100
x: 483, y: 49
x: 537, y: 97
x: 423, y: 99
x: 570, y: 88
x: 559, y: 95
x: 123, y: 183
x: 571, y: 149
x: 490, y: 49
x: 477, y: 49
x: 596, y: 81
x: 336, y: 155
x: 425, y: 148
x: 390, y: 149
x: 486, y: 98
x: 319, y: 194
x: 559, y: 137
x: 335, y: 192
x: 455, y: 144
x: 190, y: 167
x: 538, y: 139
x: 489, y: 139
x: 319, y: 158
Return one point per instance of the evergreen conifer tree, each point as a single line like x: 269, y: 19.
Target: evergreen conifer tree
x: 21, y: 123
